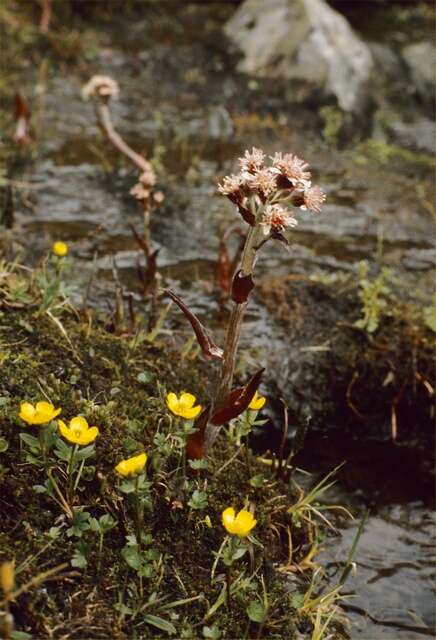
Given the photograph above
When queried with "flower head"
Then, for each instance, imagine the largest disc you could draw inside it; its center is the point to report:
(101, 86)
(239, 525)
(291, 167)
(60, 249)
(276, 218)
(263, 181)
(132, 466)
(78, 431)
(252, 161)
(257, 402)
(42, 413)
(183, 406)
(231, 187)
(314, 198)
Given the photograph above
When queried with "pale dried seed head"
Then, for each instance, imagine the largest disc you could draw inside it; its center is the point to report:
(100, 86)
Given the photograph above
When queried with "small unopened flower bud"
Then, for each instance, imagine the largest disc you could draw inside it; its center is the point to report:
(7, 576)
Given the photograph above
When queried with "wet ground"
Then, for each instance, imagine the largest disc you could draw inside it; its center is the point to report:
(182, 104)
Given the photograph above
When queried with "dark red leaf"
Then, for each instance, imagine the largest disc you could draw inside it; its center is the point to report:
(195, 445)
(208, 346)
(237, 401)
(247, 215)
(21, 108)
(241, 287)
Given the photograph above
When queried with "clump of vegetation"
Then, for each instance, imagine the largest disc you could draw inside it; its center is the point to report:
(373, 296)
(161, 544)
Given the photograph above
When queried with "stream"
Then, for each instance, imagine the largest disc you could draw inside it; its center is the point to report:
(182, 104)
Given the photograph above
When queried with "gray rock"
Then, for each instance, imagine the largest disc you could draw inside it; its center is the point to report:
(386, 60)
(419, 135)
(421, 60)
(303, 40)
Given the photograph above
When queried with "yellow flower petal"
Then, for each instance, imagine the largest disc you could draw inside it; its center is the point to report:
(64, 430)
(172, 402)
(79, 423)
(189, 414)
(241, 525)
(183, 406)
(228, 518)
(88, 436)
(78, 431)
(187, 400)
(27, 412)
(244, 523)
(132, 466)
(257, 402)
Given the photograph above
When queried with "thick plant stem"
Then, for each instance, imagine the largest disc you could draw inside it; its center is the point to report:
(234, 331)
(235, 321)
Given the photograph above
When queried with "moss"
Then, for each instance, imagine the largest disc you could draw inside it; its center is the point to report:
(121, 390)
(392, 156)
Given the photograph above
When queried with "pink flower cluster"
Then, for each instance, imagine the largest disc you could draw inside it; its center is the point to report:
(262, 192)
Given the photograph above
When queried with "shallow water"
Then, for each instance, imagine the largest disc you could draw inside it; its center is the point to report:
(77, 190)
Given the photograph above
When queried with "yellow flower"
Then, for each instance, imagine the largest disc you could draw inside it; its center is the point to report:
(7, 576)
(78, 431)
(60, 249)
(40, 414)
(183, 406)
(257, 402)
(241, 525)
(132, 466)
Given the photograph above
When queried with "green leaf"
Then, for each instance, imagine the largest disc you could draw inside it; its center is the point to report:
(54, 532)
(62, 451)
(132, 557)
(159, 623)
(147, 571)
(198, 464)
(85, 453)
(94, 525)
(212, 633)
(39, 488)
(31, 441)
(256, 611)
(79, 560)
(198, 500)
(106, 523)
(4, 445)
(144, 377)
(297, 600)
(20, 635)
(79, 524)
(257, 481)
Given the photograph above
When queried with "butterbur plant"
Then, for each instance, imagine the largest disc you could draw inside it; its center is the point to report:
(268, 193)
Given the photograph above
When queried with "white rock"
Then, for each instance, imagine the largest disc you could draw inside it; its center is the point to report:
(304, 40)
